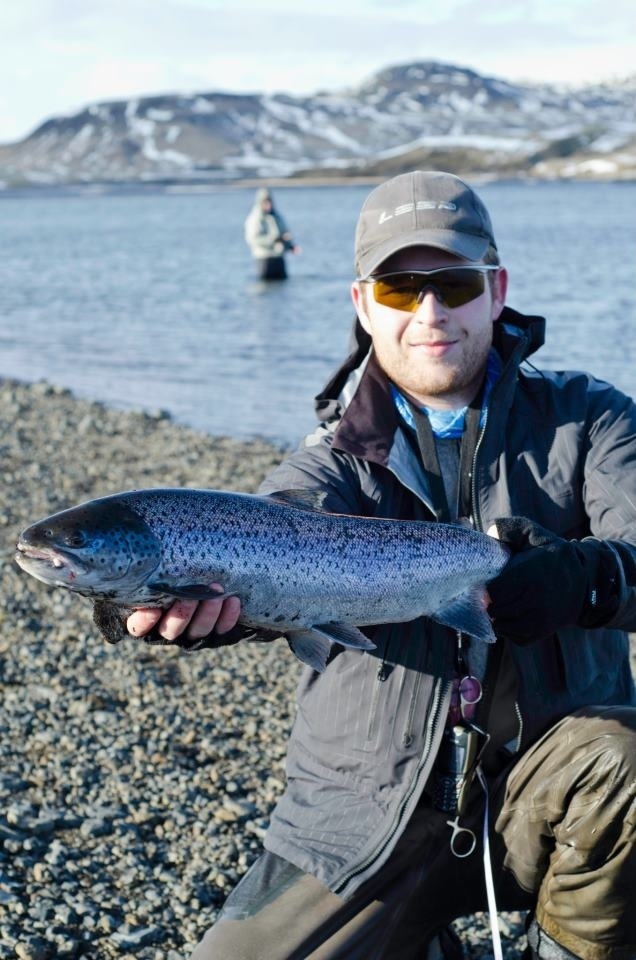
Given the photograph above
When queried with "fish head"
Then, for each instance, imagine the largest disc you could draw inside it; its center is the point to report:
(99, 549)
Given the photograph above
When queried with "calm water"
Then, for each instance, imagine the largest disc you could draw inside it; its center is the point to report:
(150, 300)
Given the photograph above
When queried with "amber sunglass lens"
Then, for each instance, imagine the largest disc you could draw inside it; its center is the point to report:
(400, 291)
(453, 288)
(457, 287)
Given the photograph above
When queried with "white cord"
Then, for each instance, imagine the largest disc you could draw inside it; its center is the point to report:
(490, 886)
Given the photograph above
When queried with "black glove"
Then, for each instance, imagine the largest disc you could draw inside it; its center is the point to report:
(550, 583)
(211, 640)
(228, 639)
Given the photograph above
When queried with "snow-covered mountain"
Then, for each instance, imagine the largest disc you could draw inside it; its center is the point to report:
(416, 114)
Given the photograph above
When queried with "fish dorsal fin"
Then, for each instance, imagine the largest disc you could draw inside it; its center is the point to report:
(301, 499)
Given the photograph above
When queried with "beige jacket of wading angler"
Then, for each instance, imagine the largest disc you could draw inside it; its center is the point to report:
(263, 233)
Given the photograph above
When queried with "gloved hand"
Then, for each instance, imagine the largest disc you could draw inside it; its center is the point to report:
(550, 583)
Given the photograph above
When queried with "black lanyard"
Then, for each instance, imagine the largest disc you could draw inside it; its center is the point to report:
(430, 460)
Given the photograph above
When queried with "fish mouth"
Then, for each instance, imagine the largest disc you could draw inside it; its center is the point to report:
(48, 565)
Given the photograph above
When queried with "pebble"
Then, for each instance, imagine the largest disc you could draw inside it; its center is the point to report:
(133, 790)
(131, 939)
(34, 948)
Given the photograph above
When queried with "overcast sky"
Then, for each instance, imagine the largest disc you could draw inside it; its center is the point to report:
(56, 56)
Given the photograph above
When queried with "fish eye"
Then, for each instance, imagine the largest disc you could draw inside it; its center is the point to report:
(75, 539)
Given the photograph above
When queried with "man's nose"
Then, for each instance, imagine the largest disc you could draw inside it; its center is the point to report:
(430, 308)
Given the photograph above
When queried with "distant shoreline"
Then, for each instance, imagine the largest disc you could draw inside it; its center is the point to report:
(208, 186)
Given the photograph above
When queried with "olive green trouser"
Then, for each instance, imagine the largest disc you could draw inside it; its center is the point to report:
(562, 844)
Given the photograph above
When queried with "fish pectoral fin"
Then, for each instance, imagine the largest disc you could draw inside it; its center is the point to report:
(314, 644)
(346, 635)
(187, 591)
(467, 613)
(111, 620)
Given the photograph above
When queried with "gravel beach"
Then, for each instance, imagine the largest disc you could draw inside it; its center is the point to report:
(135, 781)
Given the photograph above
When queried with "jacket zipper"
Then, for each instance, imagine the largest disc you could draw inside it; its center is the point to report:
(494, 655)
(407, 736)
(381, 676)
(519, 737)
(473, 477)
(440, 696)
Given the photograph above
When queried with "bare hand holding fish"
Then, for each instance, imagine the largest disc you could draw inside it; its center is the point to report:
(187, 622)
(314, 577)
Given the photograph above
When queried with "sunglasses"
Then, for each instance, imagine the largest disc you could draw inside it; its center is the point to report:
(452, 286)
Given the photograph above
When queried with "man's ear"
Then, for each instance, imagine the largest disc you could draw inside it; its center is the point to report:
(359, 303)
(499, 290)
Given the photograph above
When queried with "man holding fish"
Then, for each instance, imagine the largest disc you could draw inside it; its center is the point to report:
(434, 417)
(408, 758)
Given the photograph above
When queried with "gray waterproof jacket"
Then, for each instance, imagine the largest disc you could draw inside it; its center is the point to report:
(559, 448)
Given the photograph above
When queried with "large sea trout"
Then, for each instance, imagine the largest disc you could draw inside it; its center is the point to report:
(312, 576)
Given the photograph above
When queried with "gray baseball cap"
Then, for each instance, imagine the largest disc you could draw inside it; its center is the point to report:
(422, 208)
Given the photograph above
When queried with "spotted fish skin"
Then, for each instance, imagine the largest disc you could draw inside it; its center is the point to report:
(313, 576)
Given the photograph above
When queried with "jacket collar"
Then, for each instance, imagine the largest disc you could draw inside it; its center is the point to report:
(357, 401)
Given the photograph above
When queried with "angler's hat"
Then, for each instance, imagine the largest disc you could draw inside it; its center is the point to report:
(423, 208)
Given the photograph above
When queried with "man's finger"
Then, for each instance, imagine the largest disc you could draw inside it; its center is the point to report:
(228, 617)
(205, 618)
(175, 620)
(141, 622)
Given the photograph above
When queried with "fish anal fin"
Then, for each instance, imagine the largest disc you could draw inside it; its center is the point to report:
(468, 614)
(346, 635)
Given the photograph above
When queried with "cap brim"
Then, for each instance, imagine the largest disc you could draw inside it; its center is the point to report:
(464, 245)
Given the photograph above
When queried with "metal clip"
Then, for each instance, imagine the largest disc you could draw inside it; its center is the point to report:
(457, 842)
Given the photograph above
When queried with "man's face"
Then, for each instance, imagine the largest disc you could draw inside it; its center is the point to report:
(437, 355)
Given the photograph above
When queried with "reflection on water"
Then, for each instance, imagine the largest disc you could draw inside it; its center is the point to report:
(152, 300)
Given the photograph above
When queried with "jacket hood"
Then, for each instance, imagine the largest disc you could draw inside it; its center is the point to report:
(510, 328)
